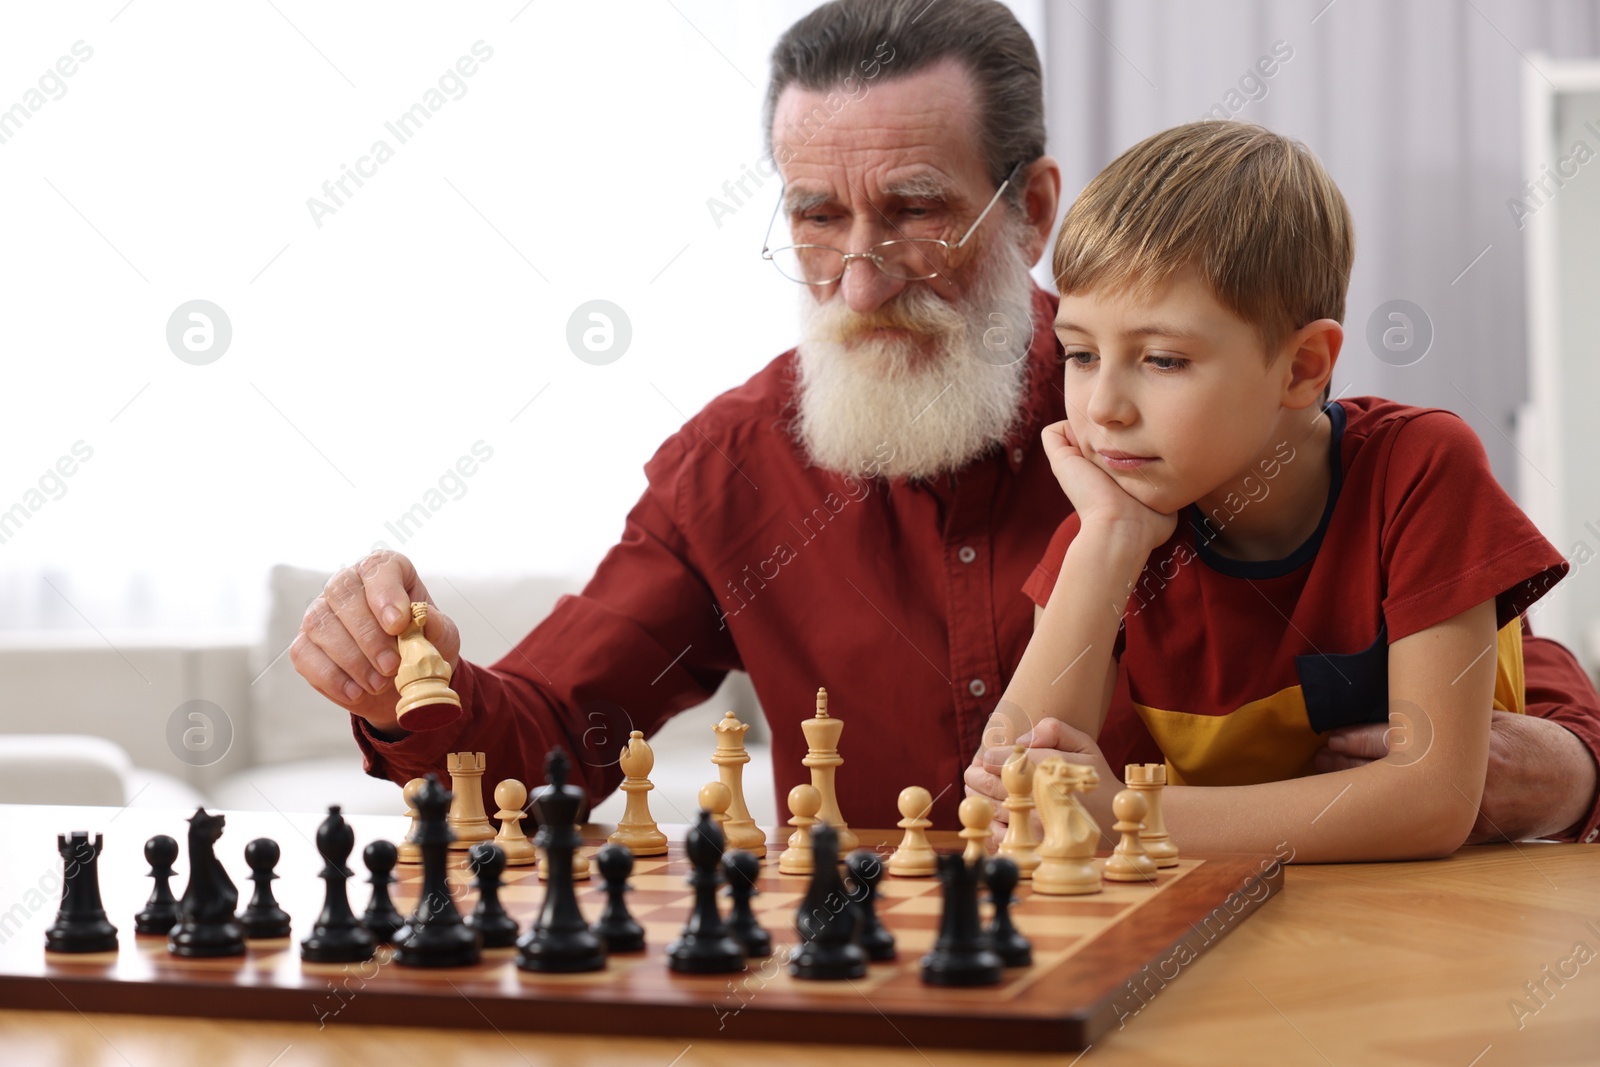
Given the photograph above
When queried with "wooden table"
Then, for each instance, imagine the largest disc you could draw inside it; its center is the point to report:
(1405, 963)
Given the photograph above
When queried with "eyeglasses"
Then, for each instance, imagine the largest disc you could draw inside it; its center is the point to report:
(907, 259)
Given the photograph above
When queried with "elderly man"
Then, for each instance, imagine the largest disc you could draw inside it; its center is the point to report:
(861, 513)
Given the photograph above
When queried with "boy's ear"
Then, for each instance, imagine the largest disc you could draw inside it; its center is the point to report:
(1313, 351)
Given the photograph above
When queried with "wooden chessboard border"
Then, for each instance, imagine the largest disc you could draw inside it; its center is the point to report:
(1051, 1008)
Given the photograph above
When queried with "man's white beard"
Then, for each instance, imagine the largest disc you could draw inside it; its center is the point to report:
(920, 405)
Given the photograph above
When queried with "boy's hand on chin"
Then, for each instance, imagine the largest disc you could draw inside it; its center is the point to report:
(1096, 496)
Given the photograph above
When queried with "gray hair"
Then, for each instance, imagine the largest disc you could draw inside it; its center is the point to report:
(851, 42)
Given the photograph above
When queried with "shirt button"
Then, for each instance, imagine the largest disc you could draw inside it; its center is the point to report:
(1016, 456)
(1589, 840)
(967, 554)
(976, 687)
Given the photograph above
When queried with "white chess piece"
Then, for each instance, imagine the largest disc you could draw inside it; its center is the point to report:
(1150, 779)
(797, 858)
(1128, 861)
(730, 757)
(915, 858)
(1019, 844)
(637, 828)
(822, 738)
(1066, 856)
(511, 795)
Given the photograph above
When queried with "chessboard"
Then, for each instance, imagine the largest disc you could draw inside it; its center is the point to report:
(1098, 959)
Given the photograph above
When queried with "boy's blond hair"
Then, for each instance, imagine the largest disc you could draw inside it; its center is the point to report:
(1254, 211)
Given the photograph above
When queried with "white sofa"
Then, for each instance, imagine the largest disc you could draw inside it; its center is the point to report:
(174, 720)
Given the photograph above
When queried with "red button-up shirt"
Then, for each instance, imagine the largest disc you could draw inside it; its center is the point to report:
(903, 598)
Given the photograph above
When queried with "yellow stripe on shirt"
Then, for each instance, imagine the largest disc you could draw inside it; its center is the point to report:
(1270, 739)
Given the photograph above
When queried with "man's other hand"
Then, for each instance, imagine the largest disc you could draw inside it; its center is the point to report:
(1541, 779)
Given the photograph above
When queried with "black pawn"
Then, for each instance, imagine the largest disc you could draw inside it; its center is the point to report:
(961, 956)
(337, 936)
(206, 926)
(619, 930)
(382, 919)
(825, 920)
(866, 871)
(263, 918)
(81, 924)
(434, 935)
(1013, 949)
(160, 912)
(742, 869)
(559, 940)
(489, 918)
(705, 946)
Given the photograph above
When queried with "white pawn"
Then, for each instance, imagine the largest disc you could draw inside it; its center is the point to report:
(511, 795)
(805, 801)
(410, 851)
(716, 798)
(580, 865)
(976, 815)
(914, 858)
(1129, 862)
(1019, 845)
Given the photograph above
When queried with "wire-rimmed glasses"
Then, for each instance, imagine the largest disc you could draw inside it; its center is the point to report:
(907, 259)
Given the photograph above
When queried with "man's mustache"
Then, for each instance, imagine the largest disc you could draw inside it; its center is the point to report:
(840, 324)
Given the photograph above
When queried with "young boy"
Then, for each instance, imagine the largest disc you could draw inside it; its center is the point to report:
(1264, 565)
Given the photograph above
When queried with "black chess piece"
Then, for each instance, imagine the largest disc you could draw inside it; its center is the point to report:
(382, 919)
(337, 936)
(705, 946)
(206, 926)
(160, 912)
(961, 955)
(619, 930)
(262, 918)
(1007, 941)
(559, 940)
(742, 869)
(435, 935)
(825, 920)
(81, 924)
(488, 860)
(866, 871)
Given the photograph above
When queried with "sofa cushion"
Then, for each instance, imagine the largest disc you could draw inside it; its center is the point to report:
(63, 769)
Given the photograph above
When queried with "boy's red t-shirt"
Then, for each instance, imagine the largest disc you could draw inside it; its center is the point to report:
(1238, 668)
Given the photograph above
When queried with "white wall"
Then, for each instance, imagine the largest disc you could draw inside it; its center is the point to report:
(368, 354)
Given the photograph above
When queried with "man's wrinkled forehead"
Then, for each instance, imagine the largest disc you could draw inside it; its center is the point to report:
(912, 136)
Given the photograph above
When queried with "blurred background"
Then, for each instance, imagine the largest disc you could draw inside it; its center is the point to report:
(228, 376)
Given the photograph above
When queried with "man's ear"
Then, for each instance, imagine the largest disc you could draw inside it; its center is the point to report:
(1041, 182)
(1313, 351)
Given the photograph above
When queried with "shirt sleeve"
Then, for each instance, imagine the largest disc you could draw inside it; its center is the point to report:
(1558, 689)
(1451, 536)
(609, 660)
(1043, 579)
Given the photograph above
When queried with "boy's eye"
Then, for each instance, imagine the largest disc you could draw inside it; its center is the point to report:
(1078, 359)
(1167, 363)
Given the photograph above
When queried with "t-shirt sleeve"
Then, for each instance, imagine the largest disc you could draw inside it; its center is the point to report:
(1043, 579)
(1451, 535)
(1558, 690)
